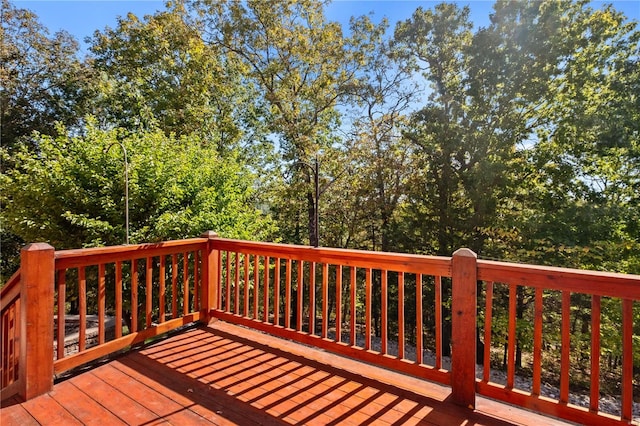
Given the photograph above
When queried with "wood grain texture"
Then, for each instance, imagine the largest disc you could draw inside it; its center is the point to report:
(431, 265)
(66, 259)
(227, 375)
(36, 319)
(463, 326)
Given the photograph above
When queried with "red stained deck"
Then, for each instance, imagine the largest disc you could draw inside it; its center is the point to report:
(224, 374)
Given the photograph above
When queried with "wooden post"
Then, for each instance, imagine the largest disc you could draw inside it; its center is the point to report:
(210, 275)
(37, 275)
(463, 326)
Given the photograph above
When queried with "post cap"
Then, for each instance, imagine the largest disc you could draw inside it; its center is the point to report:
(209, 234)
(465, 252)
(37, 247)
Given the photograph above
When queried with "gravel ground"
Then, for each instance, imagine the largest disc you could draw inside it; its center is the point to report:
(608, 404)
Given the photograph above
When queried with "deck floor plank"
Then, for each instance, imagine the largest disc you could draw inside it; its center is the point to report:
(16, 414)
(159, 404)
(46, 410)
(113, 399)
(226, 375)
(182, 406)
(208, 402)
(84, 408)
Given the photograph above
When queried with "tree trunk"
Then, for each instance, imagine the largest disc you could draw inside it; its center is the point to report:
(311, 209)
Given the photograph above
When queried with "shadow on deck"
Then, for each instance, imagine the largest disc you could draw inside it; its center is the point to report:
(225, 374)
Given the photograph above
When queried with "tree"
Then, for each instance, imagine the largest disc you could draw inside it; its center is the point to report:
(436, 43)
(159, 72)
(588, 156)
(304, 67)
(494, 122)
(72, 194)
(382, 156)
(42, 81)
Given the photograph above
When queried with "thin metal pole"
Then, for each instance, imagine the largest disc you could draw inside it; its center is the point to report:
(126, 184)
(317, 202)
(126, 191)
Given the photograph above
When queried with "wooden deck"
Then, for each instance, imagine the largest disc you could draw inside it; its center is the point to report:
(224, 374)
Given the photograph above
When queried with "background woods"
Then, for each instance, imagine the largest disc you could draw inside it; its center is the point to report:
(520, 139)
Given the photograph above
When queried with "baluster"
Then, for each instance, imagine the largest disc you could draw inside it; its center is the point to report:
(247, 260)
(511, 351)
(149, 291)
(438, 311)
(300, 295)
(419, 331)
(265, 296)
(384, 308)
(627, 359)
(312, 298)
(367, 314)
(537, 342)
(338, 303)
(101, 303)
(594, 398)
(134, 296)
(185, 283)
(82, 308)
(196, 281)
(162, 295)
(352, 316)
(118, 291)
(325, 300)
(236, 293)
(174, 286)
(566, 343)
(227, 283)
(256, 285)
(62, 298)
(400, 315)
(287, 290)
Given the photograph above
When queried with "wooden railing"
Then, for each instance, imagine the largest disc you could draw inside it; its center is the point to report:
(10, 319)
(420, 315)
(133, 293)
(579, 297)
(148, 289)
(27, 312)
(313, 296)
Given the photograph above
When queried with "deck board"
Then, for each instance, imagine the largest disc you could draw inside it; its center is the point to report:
(16, 415)
(111, 397)
(227, 375)
(84, 408)
(47, 410)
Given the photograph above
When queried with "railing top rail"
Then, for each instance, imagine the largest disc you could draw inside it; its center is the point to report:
(12, 282)
(400, 262)
(92, 256)
(598, 283)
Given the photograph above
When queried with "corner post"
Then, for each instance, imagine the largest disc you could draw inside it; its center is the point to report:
(210, 274)
(463, 327)
(37, 274)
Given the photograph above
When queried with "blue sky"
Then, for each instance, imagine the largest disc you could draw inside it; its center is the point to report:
(82, 17)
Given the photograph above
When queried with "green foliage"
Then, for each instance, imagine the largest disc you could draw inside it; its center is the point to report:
(525, 146)
(302, 63)
(578, 203)
(304, 67)
(72, 193)
(159, 72)
(42, 82)
(41, 79)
